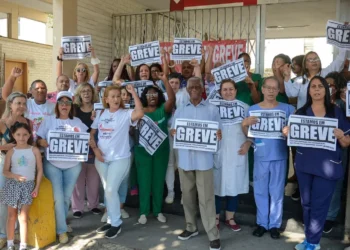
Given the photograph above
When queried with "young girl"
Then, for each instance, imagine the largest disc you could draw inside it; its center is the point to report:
(22, 163)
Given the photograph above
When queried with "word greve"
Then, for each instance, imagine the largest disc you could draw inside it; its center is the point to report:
(338, 34)
(196, 135)
(270, 124)
(76, 47)
(231, 112)
(145, 53)
(139, 85)
(151, 136)
(233, 70)
(313, 132)
(186, 49)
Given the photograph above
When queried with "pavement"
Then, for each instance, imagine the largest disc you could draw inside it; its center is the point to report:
(163, 236)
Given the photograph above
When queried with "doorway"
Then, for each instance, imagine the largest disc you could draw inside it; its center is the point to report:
(21, 82)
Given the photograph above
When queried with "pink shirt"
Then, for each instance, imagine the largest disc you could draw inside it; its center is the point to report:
(51, 97)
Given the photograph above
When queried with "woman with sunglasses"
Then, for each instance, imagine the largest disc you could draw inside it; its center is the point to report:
(16, 106)
(311, 67)
(319, 170)
(151, 169)
(81, 71)
(62, 174)
(89, 180)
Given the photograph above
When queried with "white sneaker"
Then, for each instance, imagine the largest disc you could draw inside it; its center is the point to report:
(161, 218)
(143, 219)
(69, 229)
(124, 214)
(104, 217)
(170, 198)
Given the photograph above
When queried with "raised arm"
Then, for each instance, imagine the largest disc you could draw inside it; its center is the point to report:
(118, 72)
(170, 103)
(10, 82)
(164, 62)
(196, 68)
(59, 65)
(209, 63)
(95, 62)
(138, 113)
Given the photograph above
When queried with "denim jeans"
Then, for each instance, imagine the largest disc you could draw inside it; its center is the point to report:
(112, 175)
(3, 208)
(63, 183)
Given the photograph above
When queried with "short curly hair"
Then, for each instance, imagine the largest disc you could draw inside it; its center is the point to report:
(161, 98)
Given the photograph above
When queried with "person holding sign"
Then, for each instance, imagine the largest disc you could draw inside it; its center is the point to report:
(62, 174)
(23, 170)
(270, 157)
(311, 67)
(151, 169)
(231, 176)
(112, 152)
(318, 170)
(88, 180)
(81, 71)
(14, 110)
(196, 168)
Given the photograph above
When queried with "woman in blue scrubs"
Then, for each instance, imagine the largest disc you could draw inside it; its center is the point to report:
(318, 170)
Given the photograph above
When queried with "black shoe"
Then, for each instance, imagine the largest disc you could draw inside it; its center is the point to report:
(328, 226)
(77, 214)
(259, 231)
(113, 232)
(96, 211)
(103, 229)
(274, 233)
(296, 195)
(185, 235)
(215, 245)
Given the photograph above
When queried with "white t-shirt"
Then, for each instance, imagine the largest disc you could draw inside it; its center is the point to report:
(38, 112)
(73, 85)
(113, 133)
(70, 125)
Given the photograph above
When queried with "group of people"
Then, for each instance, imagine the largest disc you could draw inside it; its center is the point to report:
(119, 161)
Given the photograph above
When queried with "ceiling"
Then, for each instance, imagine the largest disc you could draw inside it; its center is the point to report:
(40, 5)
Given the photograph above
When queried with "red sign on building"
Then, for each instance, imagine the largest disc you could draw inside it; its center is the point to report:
(179, 5)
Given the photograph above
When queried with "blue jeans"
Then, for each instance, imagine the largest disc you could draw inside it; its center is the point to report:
(231, 203)
(63, 182)
(123, 189)
(112, 175)
(3, 208)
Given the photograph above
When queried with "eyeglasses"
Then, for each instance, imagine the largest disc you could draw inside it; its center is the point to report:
(270, 88)
(64, 103)
(313, 60)
(83, 70)
(152, 95)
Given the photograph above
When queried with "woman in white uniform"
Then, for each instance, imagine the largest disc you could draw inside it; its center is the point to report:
(231, 173)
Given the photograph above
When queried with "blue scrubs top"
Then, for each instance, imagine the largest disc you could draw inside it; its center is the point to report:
(321, 162)
(272, 149)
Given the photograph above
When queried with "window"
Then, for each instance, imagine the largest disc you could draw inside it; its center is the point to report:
(3, 24)
(31, 30)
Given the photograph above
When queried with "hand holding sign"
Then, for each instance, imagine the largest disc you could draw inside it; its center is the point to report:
(43, 143)
(285, 131)
(338, 133)
(249, 81)
(250, 121)
(172, 132)
(92, 50)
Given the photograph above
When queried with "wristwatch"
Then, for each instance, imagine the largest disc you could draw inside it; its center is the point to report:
(59, 59)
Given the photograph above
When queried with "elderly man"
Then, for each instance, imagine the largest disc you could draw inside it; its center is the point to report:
(62, 84)
(196, 168)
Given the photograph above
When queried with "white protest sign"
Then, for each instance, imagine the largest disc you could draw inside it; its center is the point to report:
(312, 132)
(186, 49)
(68, 146)
(270, 125)
(214, 95)
(145, 53)
(139, 85)
(233, 70)
(98, 106)
(151, 136)
(348, 99)
(196, 135)
(231, 112)
(75, 47)
(338, 34)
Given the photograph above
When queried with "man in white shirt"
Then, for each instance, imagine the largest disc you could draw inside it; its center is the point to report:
(37, 108)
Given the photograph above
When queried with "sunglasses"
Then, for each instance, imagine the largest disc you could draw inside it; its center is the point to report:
(83, 70)
(152, 95)
(65, 103)
(312, 60)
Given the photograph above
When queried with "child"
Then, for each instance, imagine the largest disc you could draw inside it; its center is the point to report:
(21, 164)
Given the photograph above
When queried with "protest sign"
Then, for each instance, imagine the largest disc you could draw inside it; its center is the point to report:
(348, 99)
(231, 112)
(151, 136)
(75, 47)
(145, 53)
(338, 34)
(186, 49)
(214, 95)
(233, 70)
(98, 106)
(224, 50)
(139, 85)
(68, 146)
(196, 135)
(270, 125)
(312, 132)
